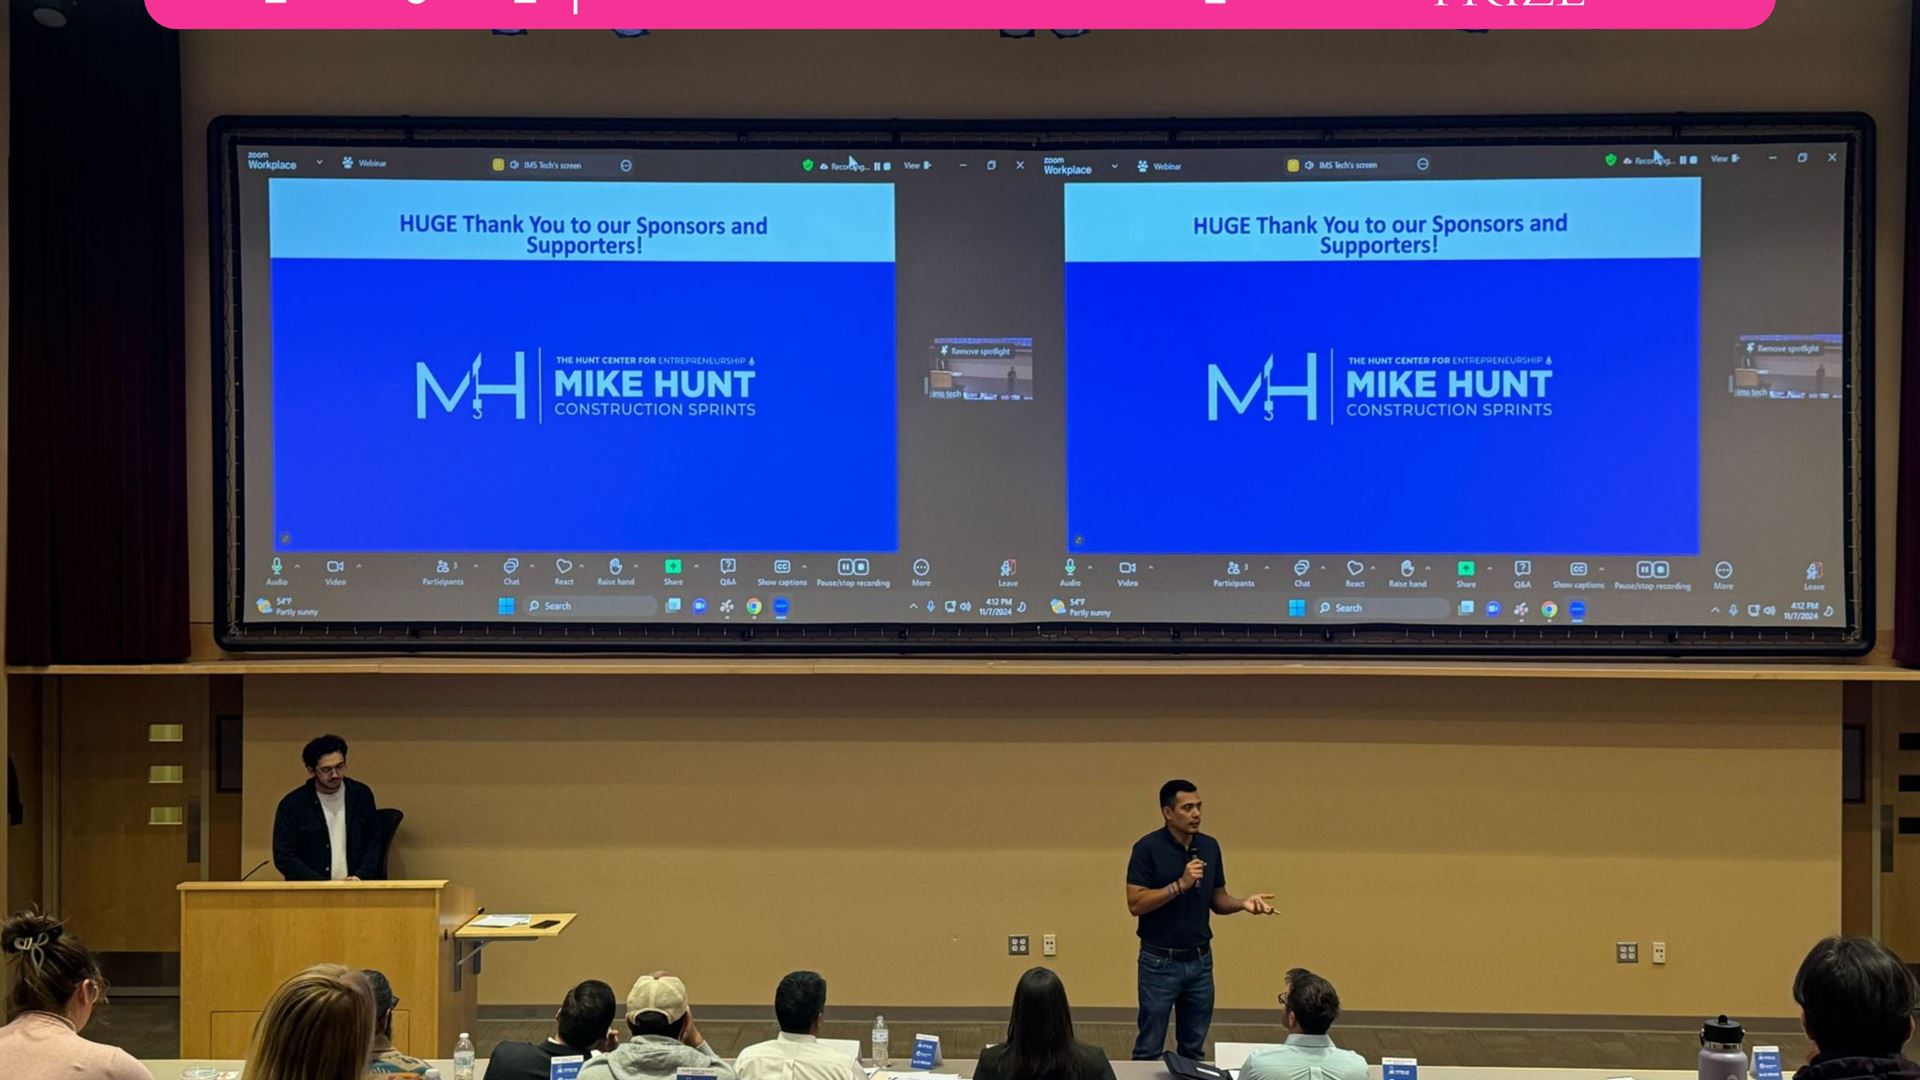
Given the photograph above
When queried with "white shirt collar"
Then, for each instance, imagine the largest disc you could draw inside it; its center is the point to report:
(788, 1036)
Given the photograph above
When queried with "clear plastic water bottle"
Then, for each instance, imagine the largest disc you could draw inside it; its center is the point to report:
(463, 1058)
(880, 1042)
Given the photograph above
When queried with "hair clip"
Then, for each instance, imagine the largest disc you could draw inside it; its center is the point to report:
(34, 947)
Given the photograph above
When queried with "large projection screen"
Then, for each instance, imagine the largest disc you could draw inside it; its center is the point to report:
(1490, 384)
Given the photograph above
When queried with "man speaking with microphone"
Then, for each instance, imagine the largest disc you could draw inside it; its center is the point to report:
(1175, 880)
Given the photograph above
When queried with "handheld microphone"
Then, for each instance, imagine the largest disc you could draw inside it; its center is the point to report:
(256, 869)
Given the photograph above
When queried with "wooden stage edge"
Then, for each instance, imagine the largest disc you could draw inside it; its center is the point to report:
(1871, 669)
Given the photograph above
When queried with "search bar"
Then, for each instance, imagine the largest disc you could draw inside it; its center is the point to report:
(1383, 608)
(592, 607)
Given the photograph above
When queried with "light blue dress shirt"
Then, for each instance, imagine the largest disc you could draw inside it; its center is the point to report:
(1305, 1057)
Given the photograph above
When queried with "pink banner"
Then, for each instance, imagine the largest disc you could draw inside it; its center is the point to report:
(961, 14)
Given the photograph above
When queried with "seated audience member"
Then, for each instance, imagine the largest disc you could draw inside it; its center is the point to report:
(1856, 1002)
(665, 1039)
(1311, 1007)
(796, 1054)
(582, 1026)
(1040, 1043)
(317, 1026)
(386, 1061)
(57, 986)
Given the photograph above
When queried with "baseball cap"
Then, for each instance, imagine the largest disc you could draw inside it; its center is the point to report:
(662, 994)
(384, 998)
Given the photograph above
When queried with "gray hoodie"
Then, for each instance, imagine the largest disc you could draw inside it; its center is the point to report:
(654, 1057)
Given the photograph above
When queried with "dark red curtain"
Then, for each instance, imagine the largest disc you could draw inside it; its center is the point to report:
(96, 486)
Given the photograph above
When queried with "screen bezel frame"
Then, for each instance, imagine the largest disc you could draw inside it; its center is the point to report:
(233, 633)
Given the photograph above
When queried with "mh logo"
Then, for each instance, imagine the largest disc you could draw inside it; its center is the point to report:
(1263, 387)
(423, 381)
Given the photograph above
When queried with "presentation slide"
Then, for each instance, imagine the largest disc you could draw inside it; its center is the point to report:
(993, 389)
(520, 366)
(1384, 367)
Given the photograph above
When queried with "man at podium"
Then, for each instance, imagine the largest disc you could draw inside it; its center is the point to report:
(328, 828)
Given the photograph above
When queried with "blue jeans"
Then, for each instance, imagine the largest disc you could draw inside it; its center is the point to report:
(1165, 985)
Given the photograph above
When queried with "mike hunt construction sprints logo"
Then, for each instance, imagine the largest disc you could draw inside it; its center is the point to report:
(423, 381)
(1264, 390)
(596, 386)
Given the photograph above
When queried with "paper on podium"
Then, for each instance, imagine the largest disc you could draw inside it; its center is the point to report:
(851, 1047)
(501, 922)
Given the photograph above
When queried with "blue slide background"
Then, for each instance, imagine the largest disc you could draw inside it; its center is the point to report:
(354, 470)
(1615, 470)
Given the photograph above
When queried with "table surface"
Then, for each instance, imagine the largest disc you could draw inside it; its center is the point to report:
(1123, 1070)
(524, 932)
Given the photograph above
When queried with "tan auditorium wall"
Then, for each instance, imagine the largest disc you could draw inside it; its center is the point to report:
(1448, 845)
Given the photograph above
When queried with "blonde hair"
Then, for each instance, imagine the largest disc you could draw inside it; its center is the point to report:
(317, 1026)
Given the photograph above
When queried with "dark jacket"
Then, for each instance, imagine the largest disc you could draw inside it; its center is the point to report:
(1834, 1067)
(1090, 1063)
(526, 1061)
(302, 851)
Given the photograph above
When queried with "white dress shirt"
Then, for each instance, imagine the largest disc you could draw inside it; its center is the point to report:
(796, 1057)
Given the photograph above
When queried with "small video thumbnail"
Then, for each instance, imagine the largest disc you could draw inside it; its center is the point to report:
(980, 369)
(1787, 367)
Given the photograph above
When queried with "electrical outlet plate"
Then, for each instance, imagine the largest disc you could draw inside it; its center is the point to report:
(1659, 952)
(1626, 952)
(1016, 944)
(1048, 946)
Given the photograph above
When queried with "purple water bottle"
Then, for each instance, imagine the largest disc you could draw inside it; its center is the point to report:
(1721, 1056)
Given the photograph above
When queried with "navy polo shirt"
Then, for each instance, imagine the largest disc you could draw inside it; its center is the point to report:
(1158, 861)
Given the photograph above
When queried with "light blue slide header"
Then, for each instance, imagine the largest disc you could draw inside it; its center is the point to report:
(1411, 220)
(536, 221)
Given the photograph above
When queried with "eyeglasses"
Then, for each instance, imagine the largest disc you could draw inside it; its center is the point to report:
(332, 770)
(1283, 1001)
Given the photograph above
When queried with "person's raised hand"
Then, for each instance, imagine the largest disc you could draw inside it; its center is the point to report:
(1258, 904)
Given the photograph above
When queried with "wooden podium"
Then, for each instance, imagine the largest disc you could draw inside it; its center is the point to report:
(241, 940)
